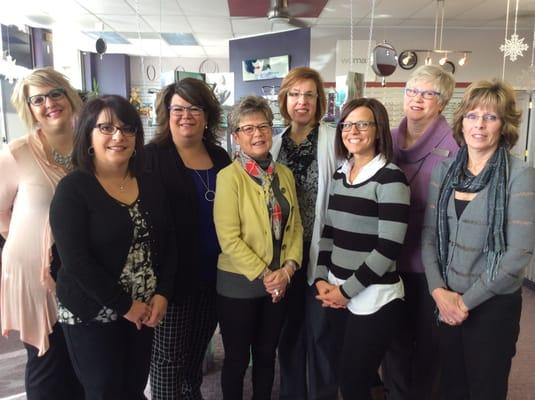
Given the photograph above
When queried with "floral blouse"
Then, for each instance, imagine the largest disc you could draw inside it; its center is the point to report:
(138, 277)
(302, 161)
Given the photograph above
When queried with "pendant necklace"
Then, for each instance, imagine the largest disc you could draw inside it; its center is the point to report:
(209, 194)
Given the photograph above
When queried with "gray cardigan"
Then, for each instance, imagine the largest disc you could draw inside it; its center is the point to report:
(466, 259)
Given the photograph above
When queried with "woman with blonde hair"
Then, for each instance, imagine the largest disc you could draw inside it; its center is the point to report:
(31, 169)
(478, 239)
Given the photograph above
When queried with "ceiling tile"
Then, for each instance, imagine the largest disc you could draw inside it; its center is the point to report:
(205, 7)
(125, 23)
(211, 24)
(169, 23)
(107, 7)
(156, 7)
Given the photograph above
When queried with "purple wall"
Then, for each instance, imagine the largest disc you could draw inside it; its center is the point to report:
(112, 73)
(43, 55)
(294, 43)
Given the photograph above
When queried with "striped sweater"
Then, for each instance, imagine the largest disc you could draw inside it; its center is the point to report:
(364, 229)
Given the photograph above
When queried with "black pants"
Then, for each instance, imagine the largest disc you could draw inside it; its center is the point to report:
(476, 355)
(306, 351)
(111, 359)
(410, 367)
(249, 327)
(51, 376)
(364, 341)
(180, 344)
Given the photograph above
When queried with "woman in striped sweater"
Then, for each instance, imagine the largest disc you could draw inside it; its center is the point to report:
(364, 230)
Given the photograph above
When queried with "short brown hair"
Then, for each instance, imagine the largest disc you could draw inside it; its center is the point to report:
(42, 77)
(383, 144)
(125, 112)
(494, 94)
(294, 76)
(249, 105)
(195, 92)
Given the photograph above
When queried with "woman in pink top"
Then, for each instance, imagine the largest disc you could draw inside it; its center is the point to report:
(31, 168)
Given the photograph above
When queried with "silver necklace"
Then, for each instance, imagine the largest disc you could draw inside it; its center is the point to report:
(64, 161)
(209, 194)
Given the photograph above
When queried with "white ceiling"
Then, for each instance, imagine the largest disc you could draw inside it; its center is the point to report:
(209, 22)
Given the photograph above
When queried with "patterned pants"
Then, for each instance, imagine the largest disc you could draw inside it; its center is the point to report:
(179, 346)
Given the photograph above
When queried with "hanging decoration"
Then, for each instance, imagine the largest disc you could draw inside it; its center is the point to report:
(8, 65)
(514, 47)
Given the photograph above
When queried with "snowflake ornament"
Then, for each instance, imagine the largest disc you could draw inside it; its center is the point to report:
(514, 47)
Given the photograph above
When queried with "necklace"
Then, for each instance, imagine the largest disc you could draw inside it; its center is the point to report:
(64, 161)
(209, 194)
(122, 185)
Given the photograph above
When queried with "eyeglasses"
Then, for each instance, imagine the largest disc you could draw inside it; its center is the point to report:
(38, 100)
(306, 95)
(109, 129)
(362, 126)
(179, 111)
(250, 129)
(473, 117)
(426, 94)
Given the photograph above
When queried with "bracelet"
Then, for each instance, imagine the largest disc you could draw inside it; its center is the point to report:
(287, 275)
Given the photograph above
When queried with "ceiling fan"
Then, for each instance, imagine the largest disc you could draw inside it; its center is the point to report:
(280, 13)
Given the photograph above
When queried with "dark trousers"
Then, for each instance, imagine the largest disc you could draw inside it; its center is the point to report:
(476, 355)
(249, 327)
(180, 344)
(306, 350)
(364, 340)
(111, 359)
(51, 376)
(410, 367)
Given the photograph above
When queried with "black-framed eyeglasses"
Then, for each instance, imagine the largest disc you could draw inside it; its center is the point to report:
(179, 111)
(250, 129)
(40, 99)
(426, 94)
(110, 129)
(362, 126)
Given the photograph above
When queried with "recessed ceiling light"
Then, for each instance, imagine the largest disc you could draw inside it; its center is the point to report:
(378, 16)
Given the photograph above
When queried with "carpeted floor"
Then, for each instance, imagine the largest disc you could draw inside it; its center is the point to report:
(521, 381)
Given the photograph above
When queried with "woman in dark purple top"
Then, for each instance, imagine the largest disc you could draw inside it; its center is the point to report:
(422, 140)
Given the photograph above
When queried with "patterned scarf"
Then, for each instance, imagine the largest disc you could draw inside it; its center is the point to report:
(264, 177)
(494, 175)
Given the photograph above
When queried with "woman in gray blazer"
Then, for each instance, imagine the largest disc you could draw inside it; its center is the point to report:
(478, 238)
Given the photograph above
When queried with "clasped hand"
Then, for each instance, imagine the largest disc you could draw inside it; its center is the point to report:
(330, 295)
(276, 283)
(147, 314)
(451, 307)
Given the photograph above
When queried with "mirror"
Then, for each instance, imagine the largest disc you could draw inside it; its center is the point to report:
(384, 59)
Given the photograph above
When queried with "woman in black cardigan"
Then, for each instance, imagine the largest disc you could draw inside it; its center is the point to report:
(116, 244)
(186, 157)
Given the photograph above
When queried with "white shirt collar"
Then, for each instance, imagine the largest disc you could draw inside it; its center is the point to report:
(367, 171)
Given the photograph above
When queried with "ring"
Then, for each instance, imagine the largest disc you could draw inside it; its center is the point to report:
(277, 292)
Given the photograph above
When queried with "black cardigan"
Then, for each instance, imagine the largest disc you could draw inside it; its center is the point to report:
(93, 234)
(164, 161)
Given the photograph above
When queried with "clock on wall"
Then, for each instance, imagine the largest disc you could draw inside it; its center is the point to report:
(407, 59)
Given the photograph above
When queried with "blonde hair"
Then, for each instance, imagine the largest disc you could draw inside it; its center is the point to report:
(41, 77)
(442, 81)
(496, 95)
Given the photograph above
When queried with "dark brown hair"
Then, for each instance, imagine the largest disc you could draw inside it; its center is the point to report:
(120, 108)
(294, 76)
(383, 143)
(198, 94)
(496, 95)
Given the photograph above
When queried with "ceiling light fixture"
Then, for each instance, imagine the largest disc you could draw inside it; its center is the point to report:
(438, 40)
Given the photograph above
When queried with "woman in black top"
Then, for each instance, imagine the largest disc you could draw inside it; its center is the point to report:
(110, 224)
(185, 156)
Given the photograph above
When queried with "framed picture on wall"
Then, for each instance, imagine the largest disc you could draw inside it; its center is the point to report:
(265, 68)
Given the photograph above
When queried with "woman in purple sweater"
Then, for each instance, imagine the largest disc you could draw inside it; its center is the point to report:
(422, 140)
